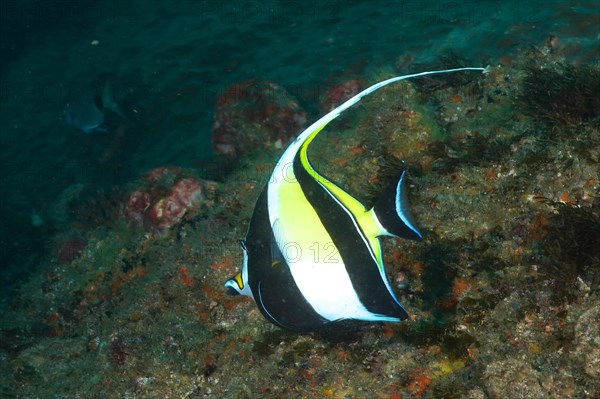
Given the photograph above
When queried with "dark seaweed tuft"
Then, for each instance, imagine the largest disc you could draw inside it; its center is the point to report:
(118, 351)
(441, 260)
(473, 148)
(570, 246)
(425, 331)
(389, 169)
(447, 60)
(561, 95)
(268, 344)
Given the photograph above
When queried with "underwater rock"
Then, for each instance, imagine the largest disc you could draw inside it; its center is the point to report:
(476, 394)
(592, 363)
(587, 332)
(339, 93)
(253, 115)
(168, 195)
(513, 378)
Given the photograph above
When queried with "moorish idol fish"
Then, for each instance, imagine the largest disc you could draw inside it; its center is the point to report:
(312, 255)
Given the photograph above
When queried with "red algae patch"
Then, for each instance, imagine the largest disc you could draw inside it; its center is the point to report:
(166, 197)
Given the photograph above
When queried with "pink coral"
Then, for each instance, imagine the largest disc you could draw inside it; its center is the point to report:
(254, 115)
(185, 195)
(337, 94)
(137, 204)
(166, 196)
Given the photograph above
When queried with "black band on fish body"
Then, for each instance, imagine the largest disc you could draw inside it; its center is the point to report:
(352, 246)
(273, 287)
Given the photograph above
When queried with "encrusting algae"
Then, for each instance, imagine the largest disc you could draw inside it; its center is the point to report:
(502, 293)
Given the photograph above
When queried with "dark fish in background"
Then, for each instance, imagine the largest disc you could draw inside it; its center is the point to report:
(87, 111)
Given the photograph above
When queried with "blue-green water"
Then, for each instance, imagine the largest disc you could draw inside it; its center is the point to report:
(169, 60)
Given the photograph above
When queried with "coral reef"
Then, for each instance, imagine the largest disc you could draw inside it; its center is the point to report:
(502, 291)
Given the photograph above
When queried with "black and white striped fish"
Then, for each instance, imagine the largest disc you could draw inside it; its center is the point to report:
(312, 254)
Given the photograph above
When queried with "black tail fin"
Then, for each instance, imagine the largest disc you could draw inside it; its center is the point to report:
(392, 211)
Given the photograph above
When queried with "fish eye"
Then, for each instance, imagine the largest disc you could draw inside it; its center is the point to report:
(243, 245)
